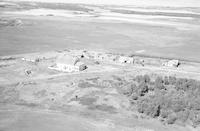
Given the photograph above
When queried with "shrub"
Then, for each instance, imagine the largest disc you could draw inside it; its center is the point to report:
(166, 80)
(194, 103)
(183, 115)
(154, 110)
(146, 78)
(159, 83)
(195, 117)
(171, 118)
(172, 80)
(134, 96)
(139, 79)
(159, 80)
(181, 84)
(134, 87)
(193, 85)
(84, 84)
(142, 89)
(93, 80)
(142, 105)
(128, 89)
(151, 86)
(164, 113)
(149, 107)
(117, 78)
(178, 105)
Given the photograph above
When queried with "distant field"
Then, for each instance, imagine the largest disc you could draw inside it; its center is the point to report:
(176, 3)
(164, 32)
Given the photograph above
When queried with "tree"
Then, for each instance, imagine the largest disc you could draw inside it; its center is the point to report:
(159, 83)
(142, 89)
(172, 80)
(166, 80)
(146, 78)
(171, 118)
(139, 78)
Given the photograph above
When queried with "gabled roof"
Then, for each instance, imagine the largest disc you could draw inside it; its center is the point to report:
(67, 60)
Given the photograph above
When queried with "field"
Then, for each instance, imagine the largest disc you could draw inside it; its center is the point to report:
(171, 31)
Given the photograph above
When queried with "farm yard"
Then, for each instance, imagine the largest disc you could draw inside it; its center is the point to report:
(84, 67)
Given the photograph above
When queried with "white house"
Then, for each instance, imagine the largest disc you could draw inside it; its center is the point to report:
(67, 63)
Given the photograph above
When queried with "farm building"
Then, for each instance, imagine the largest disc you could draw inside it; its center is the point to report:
(172, 63)
(127, 60)
(68, 63)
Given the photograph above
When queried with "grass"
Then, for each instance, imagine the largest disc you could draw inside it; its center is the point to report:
(104, 107)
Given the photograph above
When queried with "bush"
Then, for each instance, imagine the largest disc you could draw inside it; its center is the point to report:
(142, 105)
(117, 78)
(155, 110)
(159, 83)
(146, 78)
(172, 80)
(193, 85)
(171, 118)
(178, 105)
(195, 103)
(84, 84)
(166, 80)
(134, 96)
(183, 115)
(142, 89)
(164, 113)
(151, 86)
(181, 84)
(128, 89)
(195, 117)
(149, 107)
(139, 79)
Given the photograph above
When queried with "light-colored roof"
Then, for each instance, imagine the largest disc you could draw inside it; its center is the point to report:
(79, 63)
(67, 60)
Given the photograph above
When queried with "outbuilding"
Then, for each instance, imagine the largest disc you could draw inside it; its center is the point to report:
(172, 63)
(127, 60)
